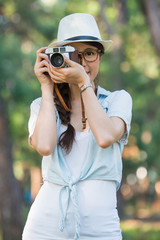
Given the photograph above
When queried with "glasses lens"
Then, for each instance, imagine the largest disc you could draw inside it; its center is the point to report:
(90, 55)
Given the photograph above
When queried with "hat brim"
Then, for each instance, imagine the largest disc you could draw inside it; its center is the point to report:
(106, 43)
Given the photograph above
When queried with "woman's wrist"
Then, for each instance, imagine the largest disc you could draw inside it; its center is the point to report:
(85, 81)
(48, 88)
(85, 86)
(47, 92)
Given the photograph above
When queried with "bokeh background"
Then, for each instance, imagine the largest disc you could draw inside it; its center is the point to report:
(133, 64)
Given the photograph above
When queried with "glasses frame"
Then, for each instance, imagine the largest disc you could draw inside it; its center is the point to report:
(81, 54)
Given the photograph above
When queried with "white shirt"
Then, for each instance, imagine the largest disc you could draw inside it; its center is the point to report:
(97, 204)
(96, 192)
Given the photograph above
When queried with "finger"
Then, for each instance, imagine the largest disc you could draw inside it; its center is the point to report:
(42, 49)
(56, 79)
(43, 70)
(41, 55)
(39, 71)
(43, 63)
(56, 71)
(44, 56)
(39, 67)
(56, 75)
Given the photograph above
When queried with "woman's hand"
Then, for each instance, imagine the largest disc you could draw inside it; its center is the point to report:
(41, 67)
(75, 74)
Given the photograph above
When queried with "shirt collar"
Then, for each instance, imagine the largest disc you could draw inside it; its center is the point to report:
(102, 92)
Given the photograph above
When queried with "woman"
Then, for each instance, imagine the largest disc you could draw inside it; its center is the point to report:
(80, 132)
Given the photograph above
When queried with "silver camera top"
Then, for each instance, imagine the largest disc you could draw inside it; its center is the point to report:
(62, 49)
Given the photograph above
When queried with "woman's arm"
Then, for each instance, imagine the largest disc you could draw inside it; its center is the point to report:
(106, 130)
(44, 137)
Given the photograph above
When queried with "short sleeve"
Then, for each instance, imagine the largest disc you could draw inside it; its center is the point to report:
(34, 111)
(120, 105)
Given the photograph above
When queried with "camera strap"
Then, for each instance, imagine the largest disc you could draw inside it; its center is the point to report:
(60, 98)
(84, 119)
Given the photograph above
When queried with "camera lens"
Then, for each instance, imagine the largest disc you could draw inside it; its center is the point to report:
(57, 60)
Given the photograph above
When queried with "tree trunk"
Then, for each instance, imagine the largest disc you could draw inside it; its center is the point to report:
(117, 55)
(150, 10)
(122, 13)
(10, 198)
(102, 18)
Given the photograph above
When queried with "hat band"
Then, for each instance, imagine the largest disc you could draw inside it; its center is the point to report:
(83, 38)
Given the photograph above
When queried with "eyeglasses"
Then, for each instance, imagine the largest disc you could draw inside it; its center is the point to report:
(89, 54)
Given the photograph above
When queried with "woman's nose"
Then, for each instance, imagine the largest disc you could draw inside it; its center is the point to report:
(83, 61)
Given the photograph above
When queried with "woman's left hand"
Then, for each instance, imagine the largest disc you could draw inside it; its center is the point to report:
(75, 74)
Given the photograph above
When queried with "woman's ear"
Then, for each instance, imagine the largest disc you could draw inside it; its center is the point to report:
(100, 57)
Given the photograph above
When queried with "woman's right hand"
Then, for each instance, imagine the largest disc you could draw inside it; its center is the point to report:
(44, 137)
(41, 67)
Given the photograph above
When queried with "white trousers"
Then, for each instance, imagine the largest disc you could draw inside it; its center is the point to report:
(99, 218)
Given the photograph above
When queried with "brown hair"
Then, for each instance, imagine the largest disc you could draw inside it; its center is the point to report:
(97, 45)
(67, 137)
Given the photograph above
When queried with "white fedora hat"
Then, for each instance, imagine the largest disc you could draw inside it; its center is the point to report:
(79, 27)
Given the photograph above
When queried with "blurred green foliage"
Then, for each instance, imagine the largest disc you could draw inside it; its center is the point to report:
(136, 230)
(132, 64)
(138, 234)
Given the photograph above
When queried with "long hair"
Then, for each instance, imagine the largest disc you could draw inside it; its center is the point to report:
(67, 137)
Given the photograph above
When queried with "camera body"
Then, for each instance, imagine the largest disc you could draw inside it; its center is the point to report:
(56, 55)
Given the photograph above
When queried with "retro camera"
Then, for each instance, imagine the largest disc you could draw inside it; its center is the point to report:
(56, 55)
